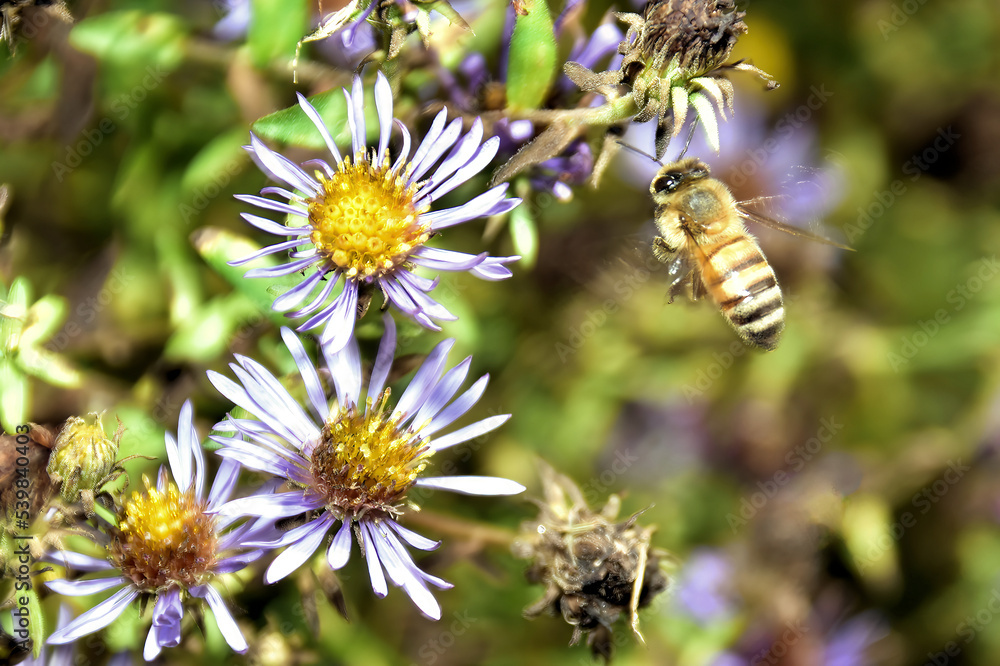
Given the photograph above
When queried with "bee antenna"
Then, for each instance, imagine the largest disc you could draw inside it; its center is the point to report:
(638, 152)
(687, 144)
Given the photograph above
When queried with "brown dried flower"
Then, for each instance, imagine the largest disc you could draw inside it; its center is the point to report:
(594, 569)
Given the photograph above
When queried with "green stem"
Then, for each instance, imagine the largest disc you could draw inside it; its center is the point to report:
(615, 111)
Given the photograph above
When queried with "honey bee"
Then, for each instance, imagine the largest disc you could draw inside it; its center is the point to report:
(708, 250)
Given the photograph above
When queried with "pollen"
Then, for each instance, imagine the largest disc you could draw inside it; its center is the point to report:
(164, 539)
(364, 221)
(366, 462)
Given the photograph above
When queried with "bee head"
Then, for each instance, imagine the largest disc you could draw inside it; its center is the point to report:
(674, 176)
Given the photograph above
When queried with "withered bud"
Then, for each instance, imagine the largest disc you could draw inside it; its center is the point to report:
(83, 457)
(699, 34)
(594, 569)
(22, 468)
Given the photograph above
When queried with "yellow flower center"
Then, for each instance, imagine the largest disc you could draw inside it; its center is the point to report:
(164, 539)
(365, 221)
(365, 462)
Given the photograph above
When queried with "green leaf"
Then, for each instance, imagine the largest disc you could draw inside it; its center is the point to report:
(524, 234)
(44, 319)
(207, 334)
(292, 126)
(49, 367)
(276, 26)
(15, 398)
(133, 38)
(216, 163)
(444, 8)
(109, 516)
(218, 246)
(36, 627)
(532, 64)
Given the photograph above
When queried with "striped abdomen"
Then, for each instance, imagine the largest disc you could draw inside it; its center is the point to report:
(742, 283)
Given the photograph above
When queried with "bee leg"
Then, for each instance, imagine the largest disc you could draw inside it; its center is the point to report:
(662, 250)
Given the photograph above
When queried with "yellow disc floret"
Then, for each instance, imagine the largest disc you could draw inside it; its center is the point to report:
(164, 538)
(366, 462)
(364, 221)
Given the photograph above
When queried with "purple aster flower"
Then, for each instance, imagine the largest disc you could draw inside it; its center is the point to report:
(168, 546)
(368, 219)
(352, 461)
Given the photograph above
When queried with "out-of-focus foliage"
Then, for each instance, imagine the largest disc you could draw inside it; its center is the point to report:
(843, 488)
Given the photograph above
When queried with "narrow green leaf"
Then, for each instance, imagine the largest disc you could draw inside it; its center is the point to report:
(49, 367)
(44, 319)
(524, 235)
(276, 26)
(532, 64)
(15, 398)
(36, 627)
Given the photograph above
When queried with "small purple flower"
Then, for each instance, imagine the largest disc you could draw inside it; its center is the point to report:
(472, 82)
(704, 589)
(367, 220)
(236, 22)
(167, 546)
(352, 461)
(848, 645)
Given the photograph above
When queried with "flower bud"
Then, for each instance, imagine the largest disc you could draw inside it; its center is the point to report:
(83, 457)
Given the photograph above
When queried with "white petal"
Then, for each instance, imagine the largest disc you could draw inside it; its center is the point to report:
(340, 548)
(227, 625)
(472, 485)
(314, 389)
(317, 120)
(427, 376)
(383, 360)
(468, 432)
(296, 554)
(79, 588)
(383, 106)
(96, 618)
(345, 367)
(374, 566)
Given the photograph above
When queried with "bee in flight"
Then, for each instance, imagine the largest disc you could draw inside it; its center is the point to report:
(708, 250)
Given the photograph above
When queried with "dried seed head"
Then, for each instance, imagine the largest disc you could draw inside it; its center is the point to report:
(83, 457)
(700, 34)
(594, 569)
(675, 57)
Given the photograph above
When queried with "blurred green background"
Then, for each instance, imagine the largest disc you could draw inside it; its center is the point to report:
(832, 502)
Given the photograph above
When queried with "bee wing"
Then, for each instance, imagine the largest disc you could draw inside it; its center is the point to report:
(746, 211)
(684, 274)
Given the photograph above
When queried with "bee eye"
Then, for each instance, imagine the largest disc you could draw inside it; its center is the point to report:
(668, 182)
